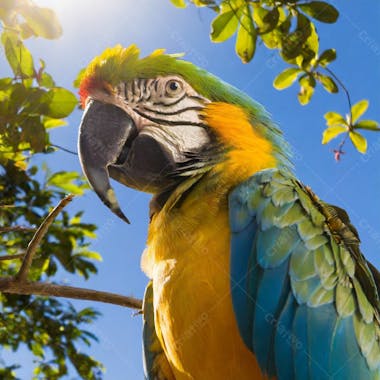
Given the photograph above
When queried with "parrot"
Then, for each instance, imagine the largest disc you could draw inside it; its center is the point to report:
(251, 275)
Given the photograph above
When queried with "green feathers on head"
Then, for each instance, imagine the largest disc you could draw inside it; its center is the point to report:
(118, 64)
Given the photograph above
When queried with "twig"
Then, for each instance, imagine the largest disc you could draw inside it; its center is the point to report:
(12, 257)
(64, 149)
(344, 89)
(14, 286)
(38, 236)
(16, 229)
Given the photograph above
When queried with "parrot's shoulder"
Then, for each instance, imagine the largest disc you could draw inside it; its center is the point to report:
(156, 364)
(299, 259)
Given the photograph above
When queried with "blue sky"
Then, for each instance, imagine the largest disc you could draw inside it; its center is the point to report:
(91, 25)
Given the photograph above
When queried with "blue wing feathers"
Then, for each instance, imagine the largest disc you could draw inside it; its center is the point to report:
(285, 340)
(321, 324)
(271, 296)
(300, 349)
(346, 361)
(242, 242)
(288, 266)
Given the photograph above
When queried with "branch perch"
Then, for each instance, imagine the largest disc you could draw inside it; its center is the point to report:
(19, 284)
(38, 236)
(14, 286)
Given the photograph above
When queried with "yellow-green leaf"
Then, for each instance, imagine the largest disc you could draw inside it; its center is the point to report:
(307, 84)
(50, 123)
(179, 3)
(18, 56)
(327, 82)
(246, 38)
(332, 132)
(224, 26)
(286, 78)
(67, 181)
(321, 11)
(43, 21)
(371, 125)
(359, 141)
(92, 255)
(358, 109)
(60, 102)
(326, 57)
(334, 118)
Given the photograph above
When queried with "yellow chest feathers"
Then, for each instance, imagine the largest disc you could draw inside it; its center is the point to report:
(194, 318)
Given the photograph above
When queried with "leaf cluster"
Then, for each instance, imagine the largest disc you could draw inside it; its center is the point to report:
(349, 125)
(51, 330)
(31, 104)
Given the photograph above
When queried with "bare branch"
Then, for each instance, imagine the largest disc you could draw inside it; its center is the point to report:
(12, 257)
(16, 229)
(14, 286)
(38, 236)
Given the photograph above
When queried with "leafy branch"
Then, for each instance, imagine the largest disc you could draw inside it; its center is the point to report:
(18, 284)
(31, 104)
(288, 27)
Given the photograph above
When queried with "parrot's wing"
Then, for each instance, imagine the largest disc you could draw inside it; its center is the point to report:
(305, 299)
(156, 365)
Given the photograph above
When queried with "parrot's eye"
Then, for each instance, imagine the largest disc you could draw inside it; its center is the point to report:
(173, 87)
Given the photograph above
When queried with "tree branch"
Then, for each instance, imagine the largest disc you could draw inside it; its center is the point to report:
(12, 257)
(16, 229)
(19, 284)
(38, 236)
(14, 286)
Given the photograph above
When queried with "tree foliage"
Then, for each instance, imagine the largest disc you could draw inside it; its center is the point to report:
(31, 104)
(288, 26)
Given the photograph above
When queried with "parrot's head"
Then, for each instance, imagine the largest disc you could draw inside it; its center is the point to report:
(153, 122)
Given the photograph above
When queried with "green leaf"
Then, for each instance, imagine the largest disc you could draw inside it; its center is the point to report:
(179, 3)
(327, 82)
(292, 43)
(334, 118)
(37, 349)
(18, 56)
(46, 80)
(311, 47)
(326, 57)
(307, 85)
(332, 132)
(246, 38)
(266, 20)
(34, 133)
(321, 11)
(42, 21)
(224, 26)
(50, 123)
(59, 103)
(91, 255)
(358, 109)
(359, 141)
(371, 125)
(205, 3)
(286, 78)
(67, 182)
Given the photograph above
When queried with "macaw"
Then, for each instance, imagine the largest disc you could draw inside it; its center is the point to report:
(252, 276)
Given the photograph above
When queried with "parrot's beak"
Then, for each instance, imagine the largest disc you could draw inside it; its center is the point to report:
(104, 134)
